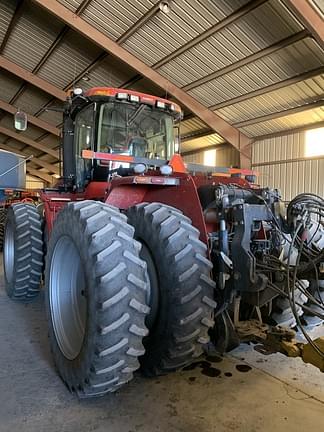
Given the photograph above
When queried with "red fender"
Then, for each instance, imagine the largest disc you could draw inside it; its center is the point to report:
(183, 197)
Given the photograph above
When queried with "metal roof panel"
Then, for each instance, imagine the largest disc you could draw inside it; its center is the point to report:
(293, 121)
(319, 6)
(31, 37)
(114, 17)
(267, 24)
(202, 142)
(278, 100)
(52, 117)
(71, 57)
(288, 62)
(71, 4)
(110, 72)
(9, 85)
(164, 33)
(191, 125)
(7, 9)
(32, 99)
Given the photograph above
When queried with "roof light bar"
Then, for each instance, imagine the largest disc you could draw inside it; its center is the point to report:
(160, 104)
(134, 98)
(122, 96)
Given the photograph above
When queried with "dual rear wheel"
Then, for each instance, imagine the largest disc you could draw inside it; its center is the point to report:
(121, 291)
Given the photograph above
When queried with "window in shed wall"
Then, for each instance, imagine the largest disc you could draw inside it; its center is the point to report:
(314, 142)
(210, 157)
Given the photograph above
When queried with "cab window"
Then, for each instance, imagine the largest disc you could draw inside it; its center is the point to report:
(84, 133)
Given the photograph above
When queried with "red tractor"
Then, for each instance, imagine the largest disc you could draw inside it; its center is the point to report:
(146, 259)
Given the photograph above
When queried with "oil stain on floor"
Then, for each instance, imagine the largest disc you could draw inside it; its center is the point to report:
(209, 370)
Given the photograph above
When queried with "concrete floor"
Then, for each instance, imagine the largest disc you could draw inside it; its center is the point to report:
(277, 394)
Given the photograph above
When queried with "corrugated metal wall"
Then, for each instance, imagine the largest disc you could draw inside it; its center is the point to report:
(281, 163)
(33, 183)
(226, 155)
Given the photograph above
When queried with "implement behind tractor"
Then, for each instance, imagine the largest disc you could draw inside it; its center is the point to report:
(148, 260)
(12, 186)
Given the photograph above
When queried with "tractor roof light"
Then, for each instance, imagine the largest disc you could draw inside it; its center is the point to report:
(77, 91)
(160, 104)
(122, 96)
(139, 168)
(166, 170)
(134, 98)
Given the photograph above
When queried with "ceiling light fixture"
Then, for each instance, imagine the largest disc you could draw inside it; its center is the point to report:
(86, 78)
(165, 6)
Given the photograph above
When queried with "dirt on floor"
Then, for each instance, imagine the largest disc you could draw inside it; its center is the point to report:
(245, 392)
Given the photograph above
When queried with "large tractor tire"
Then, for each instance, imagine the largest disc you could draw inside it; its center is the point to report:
(23, 252)
(95, 298)
(3, 217)
(181, 291)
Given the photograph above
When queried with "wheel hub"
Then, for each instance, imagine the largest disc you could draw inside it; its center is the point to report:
(68, 304)
(9, 252)
(153, 286)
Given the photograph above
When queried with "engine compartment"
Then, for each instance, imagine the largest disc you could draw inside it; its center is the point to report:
(268, 259)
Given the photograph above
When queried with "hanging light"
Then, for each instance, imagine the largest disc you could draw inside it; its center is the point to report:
(20, 120)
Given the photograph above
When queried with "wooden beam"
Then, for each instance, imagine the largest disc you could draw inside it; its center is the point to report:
(49, 167)
(31, 119)
(43, 176)
(32, 78)
(246, 156)
(231, 134)
(309, 16)
(21, 138)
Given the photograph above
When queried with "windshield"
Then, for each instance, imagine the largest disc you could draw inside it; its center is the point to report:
(137, 130)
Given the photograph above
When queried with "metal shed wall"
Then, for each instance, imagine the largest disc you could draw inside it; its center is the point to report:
(225, 156)
(33, 183)
(281, 163)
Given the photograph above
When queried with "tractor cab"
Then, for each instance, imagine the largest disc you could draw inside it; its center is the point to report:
(118, 122)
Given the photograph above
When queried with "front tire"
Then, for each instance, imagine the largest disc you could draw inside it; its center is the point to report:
(181, 289)
(95, 298)
(23, 252)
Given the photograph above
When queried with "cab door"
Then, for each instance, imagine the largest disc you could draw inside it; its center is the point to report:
(84, 140)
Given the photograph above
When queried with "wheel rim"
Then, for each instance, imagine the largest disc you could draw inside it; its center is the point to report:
(68, 304)
(9, 252)
(153, 293)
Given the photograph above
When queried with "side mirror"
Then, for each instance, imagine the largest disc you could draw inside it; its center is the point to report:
(21, 121)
